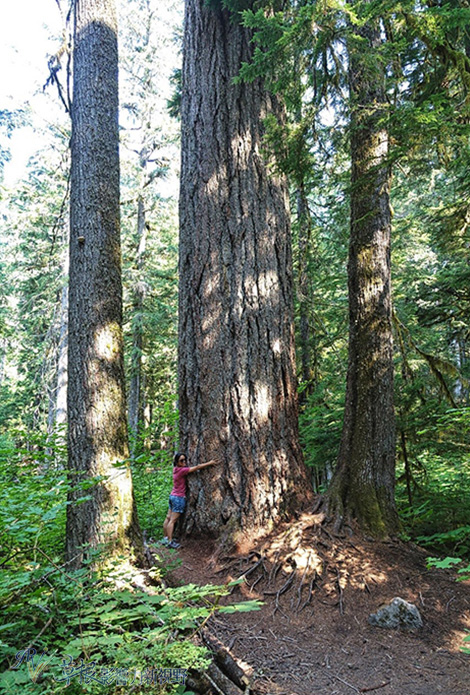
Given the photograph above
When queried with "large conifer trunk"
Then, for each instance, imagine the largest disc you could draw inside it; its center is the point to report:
(237, 386)
(97, 436)
(364, 481)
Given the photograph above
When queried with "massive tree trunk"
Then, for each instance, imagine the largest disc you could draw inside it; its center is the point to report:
(364, 481)
(97, 438)
(237, 385)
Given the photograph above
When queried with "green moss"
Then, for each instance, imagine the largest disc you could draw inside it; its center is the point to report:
(364, 503)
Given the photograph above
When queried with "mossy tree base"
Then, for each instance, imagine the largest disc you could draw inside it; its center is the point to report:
(364, 481)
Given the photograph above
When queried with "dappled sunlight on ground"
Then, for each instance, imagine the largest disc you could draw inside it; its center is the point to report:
(312, 636)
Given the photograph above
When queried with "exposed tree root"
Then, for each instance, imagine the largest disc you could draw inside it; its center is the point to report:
(302, 583)
(275, 568)
(340, 592)
(310, 592)
(252, 569)
(319, 502)
(304, 561)
(300, 559)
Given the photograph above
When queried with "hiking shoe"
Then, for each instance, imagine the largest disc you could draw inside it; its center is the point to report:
(173, 544)
(164, 541)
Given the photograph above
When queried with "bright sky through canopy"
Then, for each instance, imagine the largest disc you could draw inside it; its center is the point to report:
(30, 31)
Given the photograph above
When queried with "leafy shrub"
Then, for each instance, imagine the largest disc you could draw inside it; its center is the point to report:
(152, 468)
(439, 516)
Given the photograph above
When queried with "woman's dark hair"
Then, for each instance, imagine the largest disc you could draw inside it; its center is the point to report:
(177, 458)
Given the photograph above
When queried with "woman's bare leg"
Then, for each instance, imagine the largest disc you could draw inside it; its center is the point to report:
(169, 525)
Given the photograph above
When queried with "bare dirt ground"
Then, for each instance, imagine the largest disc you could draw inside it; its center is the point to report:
(312, 635)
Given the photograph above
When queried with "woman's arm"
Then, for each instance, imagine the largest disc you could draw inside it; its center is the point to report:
(193, 469)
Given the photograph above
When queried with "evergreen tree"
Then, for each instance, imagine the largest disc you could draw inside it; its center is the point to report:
(35, 245)
(97, 432)
(148, 151)
(237, 387)
(363, 485)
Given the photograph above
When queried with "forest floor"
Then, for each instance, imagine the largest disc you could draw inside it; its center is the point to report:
(312, 636)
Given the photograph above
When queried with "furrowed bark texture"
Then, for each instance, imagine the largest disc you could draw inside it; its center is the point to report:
(97, 436)
(237, 386)
(364, 482)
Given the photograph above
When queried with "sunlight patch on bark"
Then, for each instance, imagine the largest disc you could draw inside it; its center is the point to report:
(104, 16)
(266, 285)
(108, 341)
(263, 402)
(242, 146)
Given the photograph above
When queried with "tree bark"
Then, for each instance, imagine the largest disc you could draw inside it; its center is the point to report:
(237, 384)
(3, 353)
(136, 411)
(364, 481)
(60, 418)
(305, 298)
(97, 437)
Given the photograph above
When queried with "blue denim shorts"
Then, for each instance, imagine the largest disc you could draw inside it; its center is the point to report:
(177, 504)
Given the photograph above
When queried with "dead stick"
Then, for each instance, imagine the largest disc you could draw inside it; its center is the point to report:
(310, 592)
(374, 687)
(353, 687)
(340, 591)
(38, 636)
(275, 568)
(225, 661)
(301, 584)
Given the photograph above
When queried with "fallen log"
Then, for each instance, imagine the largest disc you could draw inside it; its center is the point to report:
(213, 682)
(226, 662)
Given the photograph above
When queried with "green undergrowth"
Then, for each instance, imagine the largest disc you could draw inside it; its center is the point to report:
(152, 475)
(438, 516)
(105, 625)
(107, 631)
(152, 468)
(438, 477)
(462, 568)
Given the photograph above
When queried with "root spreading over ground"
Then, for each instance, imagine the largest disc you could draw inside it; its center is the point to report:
(312, 635)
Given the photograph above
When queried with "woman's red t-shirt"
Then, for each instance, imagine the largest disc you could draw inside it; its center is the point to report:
(179, 481)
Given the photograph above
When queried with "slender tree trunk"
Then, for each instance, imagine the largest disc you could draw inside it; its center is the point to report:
(3, 354)
(62, 375)
(364, 481)
(307, 356)
(61, 391)
(57, 389)
(97, 434)
(408, 476)
(46, 384)
(135, 386)
(237, 385)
